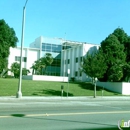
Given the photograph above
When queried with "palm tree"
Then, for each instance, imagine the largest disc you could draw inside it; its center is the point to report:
(42, 63)
(48, 60)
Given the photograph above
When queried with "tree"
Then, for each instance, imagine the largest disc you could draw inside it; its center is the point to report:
(115, 56)
(15, 68)
(48, 60)
(94, 65)
(121, 35)
(7, 39)
(25, 71)
(124, 39)
(42, 63)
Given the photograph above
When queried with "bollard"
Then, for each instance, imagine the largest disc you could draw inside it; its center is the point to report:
(62, 90)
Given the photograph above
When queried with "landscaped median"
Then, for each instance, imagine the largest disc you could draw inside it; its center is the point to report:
(9, 87)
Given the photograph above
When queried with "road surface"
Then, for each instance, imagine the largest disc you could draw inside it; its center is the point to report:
(62, 114)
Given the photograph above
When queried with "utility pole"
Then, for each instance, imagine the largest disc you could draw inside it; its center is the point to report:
(19, 93)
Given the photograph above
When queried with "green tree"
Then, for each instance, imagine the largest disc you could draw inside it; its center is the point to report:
(7, 39)
(124, 39)
(48, 60)
(25, 71)
(42, 63)
(94, 65)
(115, 56)
(15, 68)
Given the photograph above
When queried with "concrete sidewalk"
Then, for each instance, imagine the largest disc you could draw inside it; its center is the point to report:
(75, 98)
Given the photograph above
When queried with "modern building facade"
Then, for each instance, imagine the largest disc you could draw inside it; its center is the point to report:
(67, 56)
(36, 50)
(72, 59)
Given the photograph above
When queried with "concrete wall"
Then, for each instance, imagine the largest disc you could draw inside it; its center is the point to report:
(120, 87)
(46, 78)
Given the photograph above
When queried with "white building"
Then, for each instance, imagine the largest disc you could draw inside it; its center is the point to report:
(29, 56)
(68, 56)
(37, 49)
(72, 58)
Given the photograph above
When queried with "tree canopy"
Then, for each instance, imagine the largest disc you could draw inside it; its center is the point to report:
(115, 58)
(116, 49)
(7, 39)
(94, 64)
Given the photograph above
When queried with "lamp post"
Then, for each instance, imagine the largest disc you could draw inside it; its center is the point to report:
(19, 93)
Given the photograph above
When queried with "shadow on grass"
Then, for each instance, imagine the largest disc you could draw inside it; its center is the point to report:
(51, 92)
(89, 86)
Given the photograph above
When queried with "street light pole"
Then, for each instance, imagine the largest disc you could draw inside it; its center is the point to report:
(19, 93)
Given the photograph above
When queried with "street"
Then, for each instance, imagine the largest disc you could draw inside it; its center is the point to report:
(62, 114)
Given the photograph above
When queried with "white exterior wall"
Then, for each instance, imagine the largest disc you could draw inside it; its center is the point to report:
(37, 43)
(31, 54)
(46, 78)
(120, 87)
(78, 51)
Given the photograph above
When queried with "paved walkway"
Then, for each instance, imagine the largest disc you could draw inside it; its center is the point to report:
(53, 98)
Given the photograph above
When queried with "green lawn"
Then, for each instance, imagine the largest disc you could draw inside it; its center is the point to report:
(9, 87)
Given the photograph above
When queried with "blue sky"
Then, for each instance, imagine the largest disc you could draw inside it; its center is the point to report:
(77, 20)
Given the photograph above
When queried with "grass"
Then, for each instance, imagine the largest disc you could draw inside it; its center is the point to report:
(9, 87)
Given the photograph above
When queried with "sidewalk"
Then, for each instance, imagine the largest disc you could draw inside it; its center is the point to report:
(76, 98)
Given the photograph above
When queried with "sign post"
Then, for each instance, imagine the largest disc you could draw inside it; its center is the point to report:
(62, 90)
(68, 82)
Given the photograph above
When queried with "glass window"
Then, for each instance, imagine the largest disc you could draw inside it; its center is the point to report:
(48, 48)
(81, 58)
(68, 61)
(76, 73)
(43, 46)
(24, 59)
(80, 73)
(17, 58)
(53, 48)
(58, 48)
(76, 59)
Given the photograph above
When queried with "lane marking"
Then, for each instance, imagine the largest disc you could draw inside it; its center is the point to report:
(67, 114)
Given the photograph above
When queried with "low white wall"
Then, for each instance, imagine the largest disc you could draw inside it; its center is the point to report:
(120, 87)
(46, 78)
(28, 77)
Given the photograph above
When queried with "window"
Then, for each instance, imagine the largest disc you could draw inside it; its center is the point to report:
(81, 58)
(80, 73)
(24, 59)
(76, 73)
(17, 58)
(68, 61)
(43, 46)
(76, 59)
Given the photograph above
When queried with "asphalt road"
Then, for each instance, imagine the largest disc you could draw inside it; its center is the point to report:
(62, 115)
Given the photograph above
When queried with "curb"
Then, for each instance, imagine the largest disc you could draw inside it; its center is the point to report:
(87, 98)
